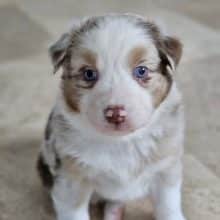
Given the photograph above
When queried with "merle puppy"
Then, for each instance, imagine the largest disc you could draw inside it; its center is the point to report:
(116, 130)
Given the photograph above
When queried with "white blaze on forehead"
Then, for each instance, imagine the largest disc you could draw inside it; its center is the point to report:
(114, 38)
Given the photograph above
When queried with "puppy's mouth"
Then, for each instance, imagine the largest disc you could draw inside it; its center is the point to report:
(117, 125)
(117, 129)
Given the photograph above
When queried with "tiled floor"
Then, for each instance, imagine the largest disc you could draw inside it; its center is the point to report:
(27, 90)
(20, 35)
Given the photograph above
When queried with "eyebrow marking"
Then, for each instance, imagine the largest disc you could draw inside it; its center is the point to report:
(90, 58)
(136, 55)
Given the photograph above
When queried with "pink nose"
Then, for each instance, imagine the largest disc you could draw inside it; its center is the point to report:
(115, 114)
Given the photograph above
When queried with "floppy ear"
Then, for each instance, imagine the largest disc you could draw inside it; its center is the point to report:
(170, 51)
(58, 51)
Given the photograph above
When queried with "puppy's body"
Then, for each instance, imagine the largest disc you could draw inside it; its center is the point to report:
(86, 154)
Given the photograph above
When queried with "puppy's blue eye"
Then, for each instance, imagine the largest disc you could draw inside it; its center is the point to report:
(140, 72)
(90, 75)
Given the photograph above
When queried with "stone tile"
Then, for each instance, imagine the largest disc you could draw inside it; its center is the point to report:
(58, 19)
(21, 195)
(199, 40)
(27, 91)
(208, 17)
(200, 84)
(206, 12)
(20, 36)
(72, 8)
(201, 192)
(6, 2)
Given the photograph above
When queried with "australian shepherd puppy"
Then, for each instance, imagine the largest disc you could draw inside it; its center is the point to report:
(116, 130)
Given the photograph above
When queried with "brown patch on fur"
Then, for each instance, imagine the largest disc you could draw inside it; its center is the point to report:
(174, 48)
(90, 58)
(135, 56)
(97, 210)
(71, 95)
(159, 88)
(46, 176)
(167, 47)
(165, 44)
(44, 172)
(62, 49)
(48, 129)
(73, 79)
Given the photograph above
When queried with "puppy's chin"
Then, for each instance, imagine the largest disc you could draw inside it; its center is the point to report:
(123, 129)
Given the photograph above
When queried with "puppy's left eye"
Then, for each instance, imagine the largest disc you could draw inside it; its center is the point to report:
(90, 75)
(141, 72)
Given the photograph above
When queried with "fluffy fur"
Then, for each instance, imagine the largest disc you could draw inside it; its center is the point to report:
(83, 155)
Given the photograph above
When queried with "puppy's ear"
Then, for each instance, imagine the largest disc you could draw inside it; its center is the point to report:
(170, 51)
(58, 51)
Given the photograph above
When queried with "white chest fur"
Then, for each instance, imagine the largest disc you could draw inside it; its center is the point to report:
(120, 170)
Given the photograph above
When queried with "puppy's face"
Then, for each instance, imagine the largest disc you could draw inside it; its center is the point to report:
(115, 71)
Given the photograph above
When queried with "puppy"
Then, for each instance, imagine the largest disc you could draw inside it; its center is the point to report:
(116, 130)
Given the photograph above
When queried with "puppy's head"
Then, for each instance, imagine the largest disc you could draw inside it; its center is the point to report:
(116, 71)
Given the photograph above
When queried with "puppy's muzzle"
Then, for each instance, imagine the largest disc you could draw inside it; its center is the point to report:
(115, 114)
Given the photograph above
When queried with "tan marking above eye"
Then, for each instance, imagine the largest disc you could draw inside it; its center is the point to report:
(90, 58)
(136, 56)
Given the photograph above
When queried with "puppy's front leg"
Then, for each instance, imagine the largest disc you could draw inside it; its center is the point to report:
(166, 194)
(71, 199)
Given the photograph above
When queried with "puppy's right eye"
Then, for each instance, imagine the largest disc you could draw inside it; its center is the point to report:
(90, 75)
(140, 72)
